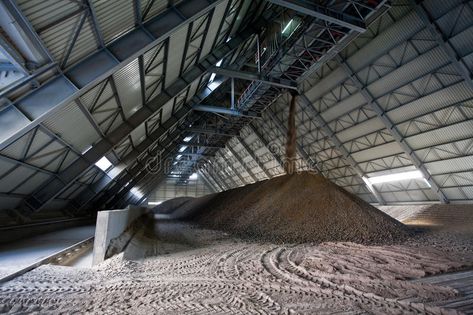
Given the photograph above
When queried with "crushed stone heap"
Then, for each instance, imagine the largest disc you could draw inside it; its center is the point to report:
(301, 207)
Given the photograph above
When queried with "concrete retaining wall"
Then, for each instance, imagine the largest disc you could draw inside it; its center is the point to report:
(111, 224)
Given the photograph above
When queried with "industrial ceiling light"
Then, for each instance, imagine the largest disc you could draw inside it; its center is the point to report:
(135, 191)
(183, 148)
(178, 157)
(193, 176)
(189, 138)
(104, 164)
(86, 149)
(395, 177)
(154, 203)
(288, 25)
(213, 75)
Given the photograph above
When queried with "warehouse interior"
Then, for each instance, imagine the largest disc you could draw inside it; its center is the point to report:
(236, 156)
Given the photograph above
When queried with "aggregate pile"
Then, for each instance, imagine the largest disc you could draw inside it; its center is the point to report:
(301, 207)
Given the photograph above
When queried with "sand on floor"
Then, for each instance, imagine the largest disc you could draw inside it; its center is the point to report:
(184, 269)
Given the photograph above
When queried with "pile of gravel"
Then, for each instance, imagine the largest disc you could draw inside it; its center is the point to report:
(296, 208)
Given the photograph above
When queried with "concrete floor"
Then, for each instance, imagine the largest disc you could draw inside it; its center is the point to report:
(18, 255)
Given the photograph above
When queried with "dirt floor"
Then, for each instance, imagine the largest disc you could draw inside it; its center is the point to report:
(176, 268)
(296, 208)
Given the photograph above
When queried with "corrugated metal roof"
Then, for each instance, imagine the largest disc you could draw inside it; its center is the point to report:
(455, 165)
(177, 43)
(435, 101)
(405, 28)
(58, 38)
(152, 8)
(420, 66)
(46, 12)
(326, 84)
(13, 179)
(114, 17)
(85, 44)
(405, 69)
(154, 70)
(440, 7)
(32, 183)
(128, 85)
(213, 28)
(456, 20)
(70, 124)
(138, 135)
(462, 42)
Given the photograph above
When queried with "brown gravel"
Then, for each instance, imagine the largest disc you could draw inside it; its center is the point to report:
(169, 205)
(183, 269)
(296, 208)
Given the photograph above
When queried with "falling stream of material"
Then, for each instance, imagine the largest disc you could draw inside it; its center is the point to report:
(290, 165)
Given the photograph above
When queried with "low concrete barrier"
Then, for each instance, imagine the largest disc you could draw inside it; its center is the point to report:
(110, 225)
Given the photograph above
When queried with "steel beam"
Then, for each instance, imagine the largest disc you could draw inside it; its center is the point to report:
(323, 13)
(224, 111)
(16, 60)
(244, 75)
(324, 127)
(111, 58)
(131, 177)
(391, 128)
(266, 144)
(254, 157)
(203, 171)
(195, 154)
(201, 145)
(219, 179)
(54, 188)
(230, 178)
(443, 41)
(29, 35)
(197, 98)
(243, 181)
(207, 182)
(250, 172)
(213, 131)
(135, 153)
